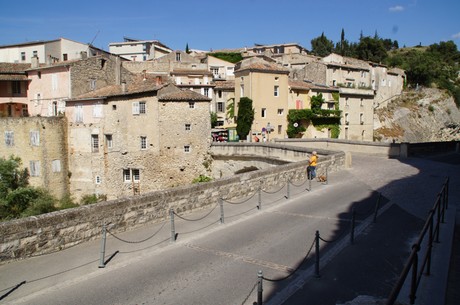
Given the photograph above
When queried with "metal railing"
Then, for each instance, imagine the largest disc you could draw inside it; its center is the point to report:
(429, 235)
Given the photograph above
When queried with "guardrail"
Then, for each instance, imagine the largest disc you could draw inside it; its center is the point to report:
(431, 231)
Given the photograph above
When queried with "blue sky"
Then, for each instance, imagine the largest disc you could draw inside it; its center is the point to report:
(217, 24)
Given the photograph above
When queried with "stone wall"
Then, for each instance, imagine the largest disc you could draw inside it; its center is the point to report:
(59, 230)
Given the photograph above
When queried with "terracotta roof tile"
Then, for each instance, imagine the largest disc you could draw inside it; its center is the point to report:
(138, 85)
(6, 67)
(227, 84)
(183, 95)
(259, 64)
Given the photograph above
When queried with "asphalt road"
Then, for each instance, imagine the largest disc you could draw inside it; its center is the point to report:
(214, 263)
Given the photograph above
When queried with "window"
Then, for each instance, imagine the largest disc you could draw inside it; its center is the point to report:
(39, 74)
(56, 166)
(34, 138)
(34, 168)
(54, 108)
(334, 82)
(242, 90)
(361, 102)
(191, 105)
(139, 108)
(108, 141)
(280, 111)
(188, 127)
(92, 84)
(277, 79)
(219, 93)
(280, 129)
(143, 142)
(97, 110)
(187, 148)
(178, 56)
(215, 72)
(383, 82)
(346, 102)
(206, 92)
(131, 174)
(23, 56)
(35, 54)
(54, 82)
(346, 119)
(16, 86)
(79, 113)
(276, 90)
(95, 143)
(361, 118)
(9, 138)
(220, 107)
(263, 113)
(65, 57)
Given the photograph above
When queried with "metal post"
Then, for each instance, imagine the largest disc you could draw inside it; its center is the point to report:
(259, 288)
(377, 206)
(309, 180)
(327, 177)
(352, 233)
(288, 189)
(430, 247)
(413, 286)
(221, 203)
(173, 229)
(317, 254)
(102, 256)
(260, 197)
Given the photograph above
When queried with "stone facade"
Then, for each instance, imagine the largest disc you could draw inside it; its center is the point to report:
(146, 138)
(41, 144)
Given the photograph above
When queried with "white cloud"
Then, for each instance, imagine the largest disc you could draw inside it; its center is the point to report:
(397, 8)
(456, 36)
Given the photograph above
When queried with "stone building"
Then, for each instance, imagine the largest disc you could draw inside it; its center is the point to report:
(51, 85)
(224, 94)
(133, 138)
(42, 146)
(266, 84)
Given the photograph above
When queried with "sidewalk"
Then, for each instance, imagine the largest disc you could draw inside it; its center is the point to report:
(367, 271)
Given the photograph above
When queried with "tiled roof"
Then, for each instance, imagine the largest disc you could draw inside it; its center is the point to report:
(183, 95)
(227, 84)
(260, 65)
(190, 72)
(6, 67)
(304, 85)
(13, 71)
(138, 85)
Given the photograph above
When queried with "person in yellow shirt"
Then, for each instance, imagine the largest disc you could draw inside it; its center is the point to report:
(311, 170)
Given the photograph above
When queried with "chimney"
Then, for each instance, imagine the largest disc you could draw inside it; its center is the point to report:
(123, 87)
(35, 62)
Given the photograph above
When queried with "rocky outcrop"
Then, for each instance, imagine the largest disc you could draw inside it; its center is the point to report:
(424, 115)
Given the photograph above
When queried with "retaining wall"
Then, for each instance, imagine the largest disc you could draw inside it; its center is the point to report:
(59, 230)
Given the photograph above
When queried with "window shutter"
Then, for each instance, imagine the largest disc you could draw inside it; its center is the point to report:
(136, 108)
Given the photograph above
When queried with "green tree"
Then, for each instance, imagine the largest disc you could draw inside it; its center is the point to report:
(321, 46)
(187, 50)
(316, 103)
(11, 176)
(245, 117)
(371, 49)
(213, 119)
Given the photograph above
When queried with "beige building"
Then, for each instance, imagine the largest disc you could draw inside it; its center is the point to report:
(139, 50)
(300, 94)
(135, 138)
(48, 51)
(266, 84)
(224, 94)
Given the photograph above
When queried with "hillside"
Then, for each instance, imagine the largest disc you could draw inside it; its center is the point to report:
(424, 115)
